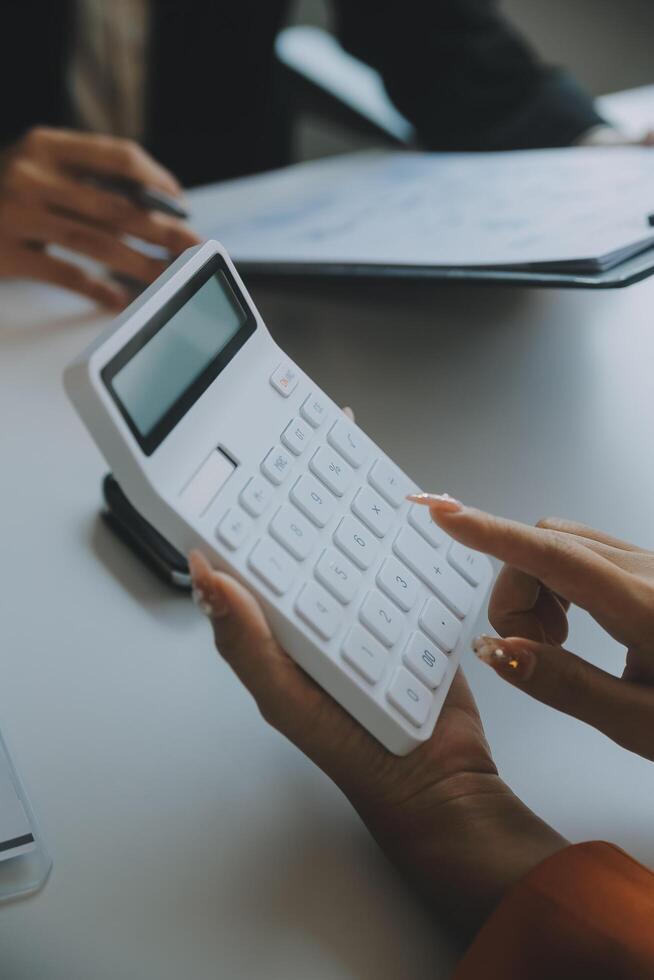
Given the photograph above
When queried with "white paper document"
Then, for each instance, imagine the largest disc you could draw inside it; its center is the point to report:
(582, 208)
(15, 831)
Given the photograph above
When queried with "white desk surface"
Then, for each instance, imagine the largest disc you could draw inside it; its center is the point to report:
(189, 840)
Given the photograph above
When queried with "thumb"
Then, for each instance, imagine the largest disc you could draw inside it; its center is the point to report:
(622, 710)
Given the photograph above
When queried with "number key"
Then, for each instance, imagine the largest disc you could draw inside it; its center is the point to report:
(357, 543)
(273, 565)
(398, 583)
(293, 532)
(317, 608)
(410, 697)
(338, 575)
(313, 500)
(425, 660)
(383, 619)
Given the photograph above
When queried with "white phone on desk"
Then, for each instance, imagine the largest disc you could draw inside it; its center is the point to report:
(222, 443)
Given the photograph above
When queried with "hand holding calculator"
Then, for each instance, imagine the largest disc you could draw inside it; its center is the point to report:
(223, 444)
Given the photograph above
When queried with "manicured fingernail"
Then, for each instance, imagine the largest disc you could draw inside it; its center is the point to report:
(210, 602)
(207, 593)
(440, 501)
(515, 662)
(201, 601)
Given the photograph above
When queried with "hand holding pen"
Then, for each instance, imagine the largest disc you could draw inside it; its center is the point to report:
(86, 193)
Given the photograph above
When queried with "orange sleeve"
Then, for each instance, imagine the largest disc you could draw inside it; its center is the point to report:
(586, 912)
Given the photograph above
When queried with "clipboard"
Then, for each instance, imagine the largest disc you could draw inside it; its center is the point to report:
(632, 270)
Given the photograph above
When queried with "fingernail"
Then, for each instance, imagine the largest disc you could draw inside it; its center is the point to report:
(441, 501)
(210, 603)
(502, 655)
(207, 595)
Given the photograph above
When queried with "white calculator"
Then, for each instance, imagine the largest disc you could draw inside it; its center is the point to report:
(222, 443)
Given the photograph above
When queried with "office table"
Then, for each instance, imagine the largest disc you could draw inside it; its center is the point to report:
(189, 840)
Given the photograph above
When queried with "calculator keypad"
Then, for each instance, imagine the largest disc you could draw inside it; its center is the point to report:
(399, 586)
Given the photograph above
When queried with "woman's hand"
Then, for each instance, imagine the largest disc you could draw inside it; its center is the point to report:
(46, 199)
(441, 814)
(547, 568)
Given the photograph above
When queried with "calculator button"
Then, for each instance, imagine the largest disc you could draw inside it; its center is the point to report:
(352, 538)
(272, 564)
(314, 410)
(234, 528)
(426, 661)
(285, 379)
(399, 584)
(365, 654)
(431, 566)
(390, 482)
(296, 436)
(331, 469)
(468, 563)
(276, 465)
(383, 619)
(338, 575)
(375, 513)
(319, 610)
(439, 623)
(420, 518)
(256, 495)
(290, 529)
(410, 697)
(350, 442)
(313, 500)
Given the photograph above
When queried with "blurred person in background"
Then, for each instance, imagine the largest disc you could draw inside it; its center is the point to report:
(171, 93)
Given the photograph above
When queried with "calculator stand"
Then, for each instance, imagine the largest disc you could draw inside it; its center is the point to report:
(27, 873)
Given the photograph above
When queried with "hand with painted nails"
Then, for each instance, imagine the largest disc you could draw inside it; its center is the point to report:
(47, 198)
(442, 814)
(547, 568)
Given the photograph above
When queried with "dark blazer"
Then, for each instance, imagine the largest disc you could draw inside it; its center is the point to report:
(215, 108)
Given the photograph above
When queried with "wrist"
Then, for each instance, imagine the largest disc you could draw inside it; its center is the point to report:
(464, 845)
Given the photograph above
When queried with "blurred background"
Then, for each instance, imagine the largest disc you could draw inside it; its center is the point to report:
(607, 45)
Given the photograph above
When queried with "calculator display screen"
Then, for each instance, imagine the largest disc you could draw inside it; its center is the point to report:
(174, 358)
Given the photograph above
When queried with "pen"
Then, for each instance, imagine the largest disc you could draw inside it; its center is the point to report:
(148, 198)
